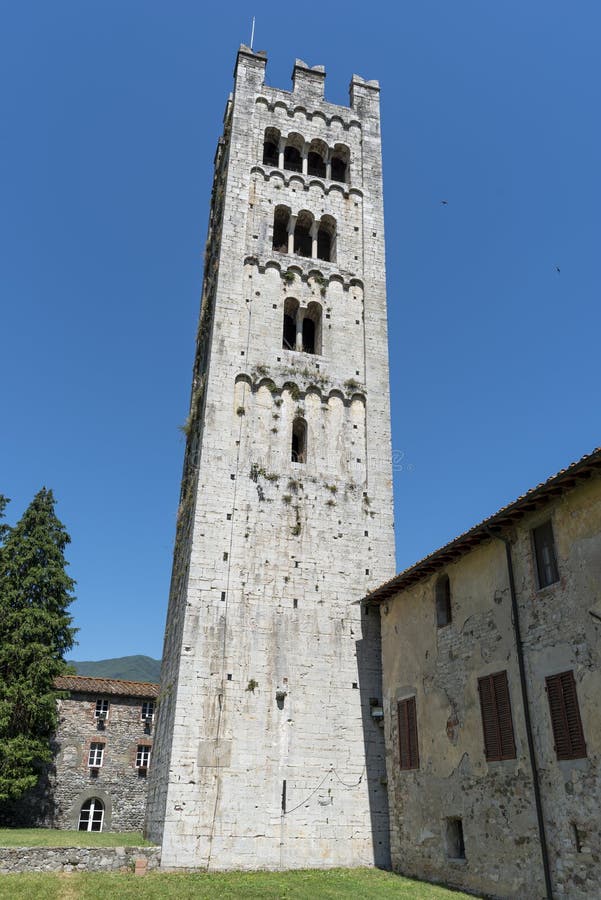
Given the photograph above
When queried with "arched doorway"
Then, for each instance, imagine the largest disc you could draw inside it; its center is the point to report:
(91, 815)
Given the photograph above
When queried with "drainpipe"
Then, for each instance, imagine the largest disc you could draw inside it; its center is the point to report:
(526, 706)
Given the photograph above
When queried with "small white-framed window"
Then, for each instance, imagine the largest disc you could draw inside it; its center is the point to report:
(95, 755)
(102, 708)
(143, 756)
(148, 711)
(91, 815)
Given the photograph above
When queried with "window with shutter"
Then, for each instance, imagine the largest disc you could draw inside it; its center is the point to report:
(544, 552)
(565, 716)
(497, 724)
(408, 750)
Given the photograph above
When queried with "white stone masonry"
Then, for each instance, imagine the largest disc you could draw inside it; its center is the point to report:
(267, 752)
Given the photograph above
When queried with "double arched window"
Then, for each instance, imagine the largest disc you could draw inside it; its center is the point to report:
(301, 327)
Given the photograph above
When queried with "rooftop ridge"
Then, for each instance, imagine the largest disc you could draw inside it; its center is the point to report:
(556, 484)
(116, 686)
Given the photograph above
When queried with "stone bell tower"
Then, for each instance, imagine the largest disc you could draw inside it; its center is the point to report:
(269, 749)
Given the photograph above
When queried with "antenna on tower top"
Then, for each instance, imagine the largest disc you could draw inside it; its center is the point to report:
(252, 33)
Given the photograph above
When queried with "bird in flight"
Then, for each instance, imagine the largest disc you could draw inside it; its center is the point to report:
(444, 202)
(558, 270)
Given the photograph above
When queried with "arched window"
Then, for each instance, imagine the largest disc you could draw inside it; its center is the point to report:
(326, 239)
(281, 217)
(289, 330)
(302, 234)
(316, 165)
(299, 441)
(308, 335)
(316, 159)
(91, 815)
(271, 147)
(443, 601)
(312, 329)
(339, 164)
(270, 154)
(293, 160)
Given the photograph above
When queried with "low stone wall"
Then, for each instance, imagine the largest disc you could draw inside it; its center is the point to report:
(77, 859)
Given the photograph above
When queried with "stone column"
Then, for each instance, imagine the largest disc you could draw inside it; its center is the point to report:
(281, 148)
(305, 159)
(291, 226)
(299, 329)
(314, 230)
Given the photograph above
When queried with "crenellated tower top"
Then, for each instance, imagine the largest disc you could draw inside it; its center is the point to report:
(307, 81)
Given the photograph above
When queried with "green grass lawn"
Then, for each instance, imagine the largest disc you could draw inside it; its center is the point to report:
(335, 884)
(52, 837)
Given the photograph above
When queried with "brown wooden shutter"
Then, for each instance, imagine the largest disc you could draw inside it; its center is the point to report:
(565, 716)
(408, 748)
(492, 744)
(497, 724)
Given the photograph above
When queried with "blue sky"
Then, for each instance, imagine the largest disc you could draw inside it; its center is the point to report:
(109, 117)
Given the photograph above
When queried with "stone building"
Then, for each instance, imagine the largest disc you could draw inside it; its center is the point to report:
(102, 753)
(492, 678)
(269, 749)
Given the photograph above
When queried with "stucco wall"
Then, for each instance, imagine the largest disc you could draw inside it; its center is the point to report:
(441, 667)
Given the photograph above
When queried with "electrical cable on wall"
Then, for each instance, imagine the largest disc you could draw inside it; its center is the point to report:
(331, 771)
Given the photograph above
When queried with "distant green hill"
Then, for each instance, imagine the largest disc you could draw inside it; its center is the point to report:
(132, 668)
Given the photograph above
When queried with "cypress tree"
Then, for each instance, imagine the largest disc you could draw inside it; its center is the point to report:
(3, 528)
(35, 633)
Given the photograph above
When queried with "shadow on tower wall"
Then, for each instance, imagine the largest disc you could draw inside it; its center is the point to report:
(369, 666)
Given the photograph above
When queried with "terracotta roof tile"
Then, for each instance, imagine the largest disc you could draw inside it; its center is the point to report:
(557, 484)
(116, 687)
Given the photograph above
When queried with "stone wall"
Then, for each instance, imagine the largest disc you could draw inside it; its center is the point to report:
(267, 753)
(118, 783)
(440, 667)
(76, 859)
